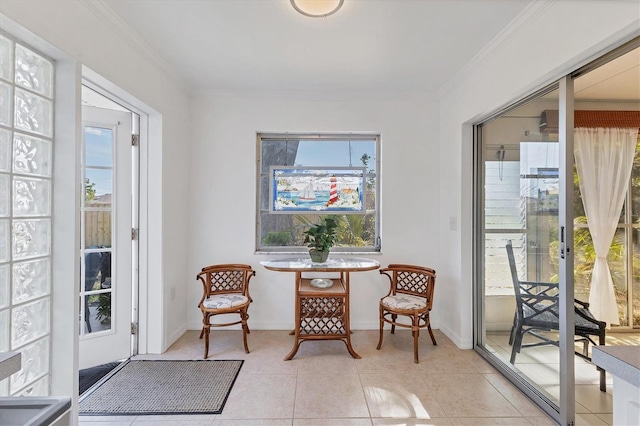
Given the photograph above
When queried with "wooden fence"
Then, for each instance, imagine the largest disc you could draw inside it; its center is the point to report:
(97, 228)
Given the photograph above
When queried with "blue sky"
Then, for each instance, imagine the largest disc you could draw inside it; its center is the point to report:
(99, 153)
(334, 153)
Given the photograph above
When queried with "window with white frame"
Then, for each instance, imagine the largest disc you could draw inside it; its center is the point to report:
(302, 178)
(26, 138)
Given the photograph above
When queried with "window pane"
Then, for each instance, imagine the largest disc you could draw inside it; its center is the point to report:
(97, 229)
(6, 95)
(286, 229)
(35, 363)
(30, 280)
(4, 287)
(6, 53)
(4, 194)
(97, 313)
(31, 238)
(519, 195)
(33, 113)
(37, 388)
(29, 322)
(5, 150)
(33, 71)
(4, 330)
(98, 187)
(31, 155)
(98, 147)
(31, 197)
(5, 236)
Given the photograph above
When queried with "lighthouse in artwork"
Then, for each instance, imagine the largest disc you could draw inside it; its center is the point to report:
(333, 191)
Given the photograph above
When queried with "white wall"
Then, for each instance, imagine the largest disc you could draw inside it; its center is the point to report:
(223, 184)
(548, 41)
(77, 32)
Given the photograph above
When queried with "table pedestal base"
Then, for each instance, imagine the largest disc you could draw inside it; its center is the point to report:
(322, 313)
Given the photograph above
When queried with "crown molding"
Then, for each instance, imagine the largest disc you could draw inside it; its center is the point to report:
(529, 15)
(103, 12)
(320, 95)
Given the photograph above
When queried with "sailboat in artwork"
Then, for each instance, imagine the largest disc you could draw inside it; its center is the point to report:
(307, 194)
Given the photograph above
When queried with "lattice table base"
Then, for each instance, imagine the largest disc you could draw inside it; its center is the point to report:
(322, 316)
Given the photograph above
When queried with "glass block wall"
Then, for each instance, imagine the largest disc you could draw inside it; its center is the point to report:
(26, 138)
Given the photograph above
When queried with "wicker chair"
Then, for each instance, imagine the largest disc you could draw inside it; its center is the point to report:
(410, 295)
(225, 291)
(537, 310)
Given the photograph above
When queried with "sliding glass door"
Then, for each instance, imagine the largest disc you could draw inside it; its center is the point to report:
(518, 215)
(557, 185)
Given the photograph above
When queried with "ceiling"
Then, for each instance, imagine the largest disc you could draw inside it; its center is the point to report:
(618, 79)
(381, 46)
(368, 46)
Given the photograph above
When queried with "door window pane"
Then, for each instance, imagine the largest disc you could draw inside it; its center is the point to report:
(98, 147)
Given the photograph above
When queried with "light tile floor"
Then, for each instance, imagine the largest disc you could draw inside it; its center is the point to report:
(541, 365)
(324, 385)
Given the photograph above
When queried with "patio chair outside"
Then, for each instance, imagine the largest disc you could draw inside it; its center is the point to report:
(537, 310)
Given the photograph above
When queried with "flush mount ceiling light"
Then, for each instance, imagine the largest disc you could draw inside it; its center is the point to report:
(317, 8)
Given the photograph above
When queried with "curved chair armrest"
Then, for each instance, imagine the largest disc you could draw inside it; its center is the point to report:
(601, 324)
(252, 274)
(540, 284)
(205, 291)
(385, 271)
(585, 305)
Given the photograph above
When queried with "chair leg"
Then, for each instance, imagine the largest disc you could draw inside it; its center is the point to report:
(393, 323)
(245, 330)
(433, 338)
(416, 333)
(381, 327)
(206, 341)
(603, 373)
(517, 342)
(513, 329)
(206, 330)
(205, 320)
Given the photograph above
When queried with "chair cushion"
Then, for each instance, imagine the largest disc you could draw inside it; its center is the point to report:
(404, 301)
(549, 318)
(221, 301)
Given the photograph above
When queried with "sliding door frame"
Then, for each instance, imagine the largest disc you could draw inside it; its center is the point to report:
(567, 400)
(564, 412)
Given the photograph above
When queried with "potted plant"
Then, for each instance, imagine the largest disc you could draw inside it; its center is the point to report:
(320, 238)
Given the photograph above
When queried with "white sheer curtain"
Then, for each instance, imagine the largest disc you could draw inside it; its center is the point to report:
(604, 157)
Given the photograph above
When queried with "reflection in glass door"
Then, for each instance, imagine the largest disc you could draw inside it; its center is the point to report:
(518, 246)
(97, 220)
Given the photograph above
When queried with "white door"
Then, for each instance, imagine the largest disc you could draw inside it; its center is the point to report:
(106, 232)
